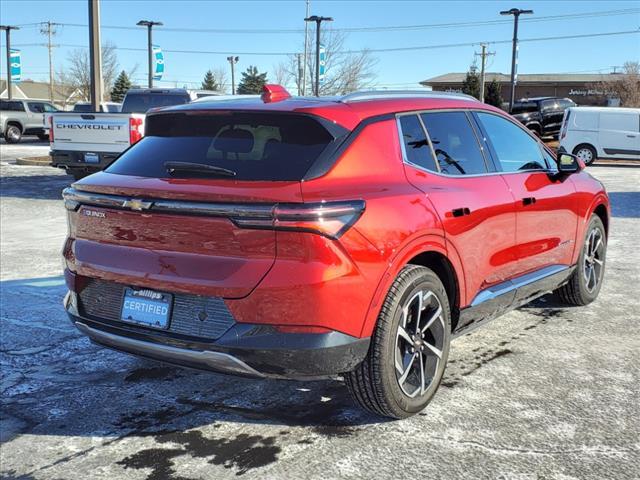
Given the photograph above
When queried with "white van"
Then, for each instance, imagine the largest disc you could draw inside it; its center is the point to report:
(601, 132)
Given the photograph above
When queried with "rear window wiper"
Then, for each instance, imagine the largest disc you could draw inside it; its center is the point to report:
(177, 167)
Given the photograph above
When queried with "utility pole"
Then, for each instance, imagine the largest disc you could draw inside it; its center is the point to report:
(300, 74)
(149, 24)
(48, 28)
(306, 52)
(483, 55)
(318, 20)
(95, 54)
(516, 12)
(7, 29)
(233, 60)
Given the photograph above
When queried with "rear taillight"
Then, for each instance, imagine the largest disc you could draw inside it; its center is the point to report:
(50, 128)
(135, 129)
(565, 124)
(330, 219)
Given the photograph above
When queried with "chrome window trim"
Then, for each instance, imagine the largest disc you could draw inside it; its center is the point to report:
(467, 110)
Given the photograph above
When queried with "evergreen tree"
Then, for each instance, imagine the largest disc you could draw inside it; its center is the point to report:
(493, 96)
(120, 87)
(252, 81)
(471, 83)
(209, 82)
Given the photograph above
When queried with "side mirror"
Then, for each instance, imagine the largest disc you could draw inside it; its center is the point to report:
(568, 163)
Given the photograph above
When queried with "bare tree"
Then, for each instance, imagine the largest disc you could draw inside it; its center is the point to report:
(281, 73)
(345, 71)
(624, 85)
(220, 74)
(78, 73)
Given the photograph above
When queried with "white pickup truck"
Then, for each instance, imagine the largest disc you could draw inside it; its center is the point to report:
(84, 143)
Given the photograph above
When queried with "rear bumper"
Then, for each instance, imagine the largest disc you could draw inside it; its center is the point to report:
(248, 350)
(75, 160)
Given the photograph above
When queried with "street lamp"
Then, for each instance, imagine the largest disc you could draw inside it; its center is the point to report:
(149, 24)
(233, 60)
(318, 20)
(516, 12)
(7, 29)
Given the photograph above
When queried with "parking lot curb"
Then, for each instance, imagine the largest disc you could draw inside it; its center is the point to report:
(34, 161)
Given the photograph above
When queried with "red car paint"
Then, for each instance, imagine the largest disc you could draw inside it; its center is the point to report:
(309, 282)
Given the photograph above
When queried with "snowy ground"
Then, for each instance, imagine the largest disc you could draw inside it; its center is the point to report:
(544, 392)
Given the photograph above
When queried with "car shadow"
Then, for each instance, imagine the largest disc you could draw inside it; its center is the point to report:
(27, 140)
(625, 204)
(37, 187)
(56, 382)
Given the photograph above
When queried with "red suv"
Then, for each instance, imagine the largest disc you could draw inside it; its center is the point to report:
(301, 237)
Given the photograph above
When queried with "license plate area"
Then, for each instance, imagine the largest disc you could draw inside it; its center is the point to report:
(147, 308)
(91, 158)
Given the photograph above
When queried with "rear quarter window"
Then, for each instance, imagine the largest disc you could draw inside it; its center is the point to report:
(142, 102)
(256, 146)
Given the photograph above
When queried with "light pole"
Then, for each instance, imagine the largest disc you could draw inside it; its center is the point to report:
(318, 20)
(516, 12)
(149, 24)
(7, 29)
(233, 60)
(95, 55)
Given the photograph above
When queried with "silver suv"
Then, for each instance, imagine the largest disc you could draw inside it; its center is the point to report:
(24, 117)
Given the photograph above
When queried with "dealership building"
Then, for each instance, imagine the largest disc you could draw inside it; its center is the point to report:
(584, 89)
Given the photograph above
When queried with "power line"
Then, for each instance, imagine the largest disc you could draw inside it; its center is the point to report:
(374, 50)
(376, 29)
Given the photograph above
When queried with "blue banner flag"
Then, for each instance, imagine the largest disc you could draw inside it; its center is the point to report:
(16, 65)
(323, 62)
(158, 62)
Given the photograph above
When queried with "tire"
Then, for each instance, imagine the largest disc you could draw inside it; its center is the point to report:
(586, 153)
(43, 136)
(377, 383)
(585, 282)
(77, 174)
(12, 133)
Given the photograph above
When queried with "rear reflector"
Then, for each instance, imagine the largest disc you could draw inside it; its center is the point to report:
(50, 128)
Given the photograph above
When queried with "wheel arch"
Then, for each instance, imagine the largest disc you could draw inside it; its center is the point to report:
(434, 252)
(16, 123)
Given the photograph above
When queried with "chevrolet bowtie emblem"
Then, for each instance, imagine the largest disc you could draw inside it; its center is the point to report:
(135, 204)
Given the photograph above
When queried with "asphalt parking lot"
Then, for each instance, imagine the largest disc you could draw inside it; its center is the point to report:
(543, 392)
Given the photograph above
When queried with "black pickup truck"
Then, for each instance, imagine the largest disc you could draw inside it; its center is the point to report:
(542, 115)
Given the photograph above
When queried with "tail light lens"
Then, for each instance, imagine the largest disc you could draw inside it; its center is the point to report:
(330, 219)
(565, 124)
(50, 128)
(135, 129)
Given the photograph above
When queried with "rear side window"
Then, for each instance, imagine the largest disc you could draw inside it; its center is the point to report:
(11, 106)
(416, 145)
(515, 149)
(142, 102)
(524, 107)
(113, 108)
(454, 143)
(256, 146)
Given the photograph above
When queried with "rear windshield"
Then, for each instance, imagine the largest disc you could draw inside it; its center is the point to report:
(85, 107)
(141, 102)
(255, 146)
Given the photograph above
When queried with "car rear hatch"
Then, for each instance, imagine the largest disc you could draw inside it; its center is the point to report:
(191, 207)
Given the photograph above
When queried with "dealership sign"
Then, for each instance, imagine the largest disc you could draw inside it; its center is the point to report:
(16, 65)
(158, 57)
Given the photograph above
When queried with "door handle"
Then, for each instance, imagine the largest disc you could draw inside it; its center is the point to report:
(631, 136)
(528, 201)
(460, 212)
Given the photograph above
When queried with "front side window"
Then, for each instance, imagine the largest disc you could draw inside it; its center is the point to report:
(416, 145)
(515, 149)
(36, 107)
(143, 102)
(48, 108)
(454, 143)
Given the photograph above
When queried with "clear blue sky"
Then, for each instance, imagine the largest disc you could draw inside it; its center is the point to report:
(394, 69)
